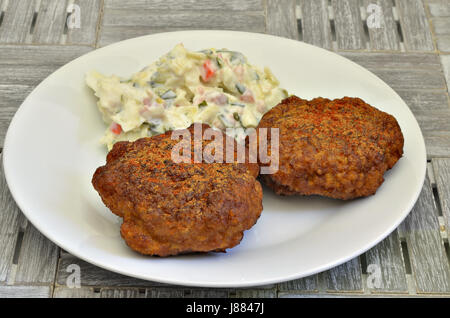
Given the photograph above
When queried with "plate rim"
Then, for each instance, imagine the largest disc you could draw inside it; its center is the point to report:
(211, 283)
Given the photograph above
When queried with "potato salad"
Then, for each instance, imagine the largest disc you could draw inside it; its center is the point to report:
(214, 86)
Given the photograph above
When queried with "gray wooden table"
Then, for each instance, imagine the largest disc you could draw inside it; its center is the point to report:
(404, 42)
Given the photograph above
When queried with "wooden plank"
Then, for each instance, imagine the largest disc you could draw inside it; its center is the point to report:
(25, 291)
(234, 5)
(386, 36)
(439, 8)
(11, 220)
(411, 79)
(431, 109)
(11, 96)
(397, 61)
(95, 276)
(415, 26)
(349, 26)
(425, 101)
(387, 258)
(445, 60)
(315, 23)
(281, 19)
(425, 247)
(50, 22)
(232, 20)
(90, 16)
(121, 293)
(184, 292)
(253, 293)
(441, 169)
(441, 26)
(438, 144)
(83, 292)
(344, 278)
(38, 55)
(17, 61)
(443, 43)
(119, 25)
(164, 293)
(38, 258)
(21, 75)
(306, 284)
(403, 71)
(17, 21)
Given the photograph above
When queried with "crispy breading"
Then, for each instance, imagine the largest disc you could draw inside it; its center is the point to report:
(336, 148)
(170, 208)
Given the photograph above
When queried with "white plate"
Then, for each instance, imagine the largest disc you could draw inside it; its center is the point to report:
(52, 149)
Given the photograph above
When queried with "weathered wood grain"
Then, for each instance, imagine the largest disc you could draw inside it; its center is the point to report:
(184, 292)
(11, 220)
(306, 284)
(426, 101)
(21, 75)
(441, 26)
(349, 26)
(439, 8)
(38, 258)
(438, 144)
(121, 293)
(253, 293)
(396, 61)
(431, 109)
(22, 68)
(425, 247)
(90, 15)
(441, 168)
(403, 71)
(415, 26)
(11, 96)
(443, 43)
(386, 36)
(197, 19)
(40, 54)
(25, 291)
(445, 60)
(281, 19)
(50, 22)
(315, 23)
(95, 276)
(344, 278)
(234, 5)
(83, 292)
(17, 21)
(387, 258)
(122, 24)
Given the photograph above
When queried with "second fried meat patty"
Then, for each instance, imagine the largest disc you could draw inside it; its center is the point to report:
(170, 208)
(336, 148)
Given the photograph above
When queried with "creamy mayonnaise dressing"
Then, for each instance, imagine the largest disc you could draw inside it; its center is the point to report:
(217, 87)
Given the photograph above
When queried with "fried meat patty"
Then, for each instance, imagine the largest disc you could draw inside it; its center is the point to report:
(170, 208)
(336, 148)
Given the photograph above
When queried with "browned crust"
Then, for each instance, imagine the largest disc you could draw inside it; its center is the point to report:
(170, 208)
(339, 149)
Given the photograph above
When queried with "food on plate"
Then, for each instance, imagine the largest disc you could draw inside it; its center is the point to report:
(336, 148)
(170, 208)
(217, 87)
